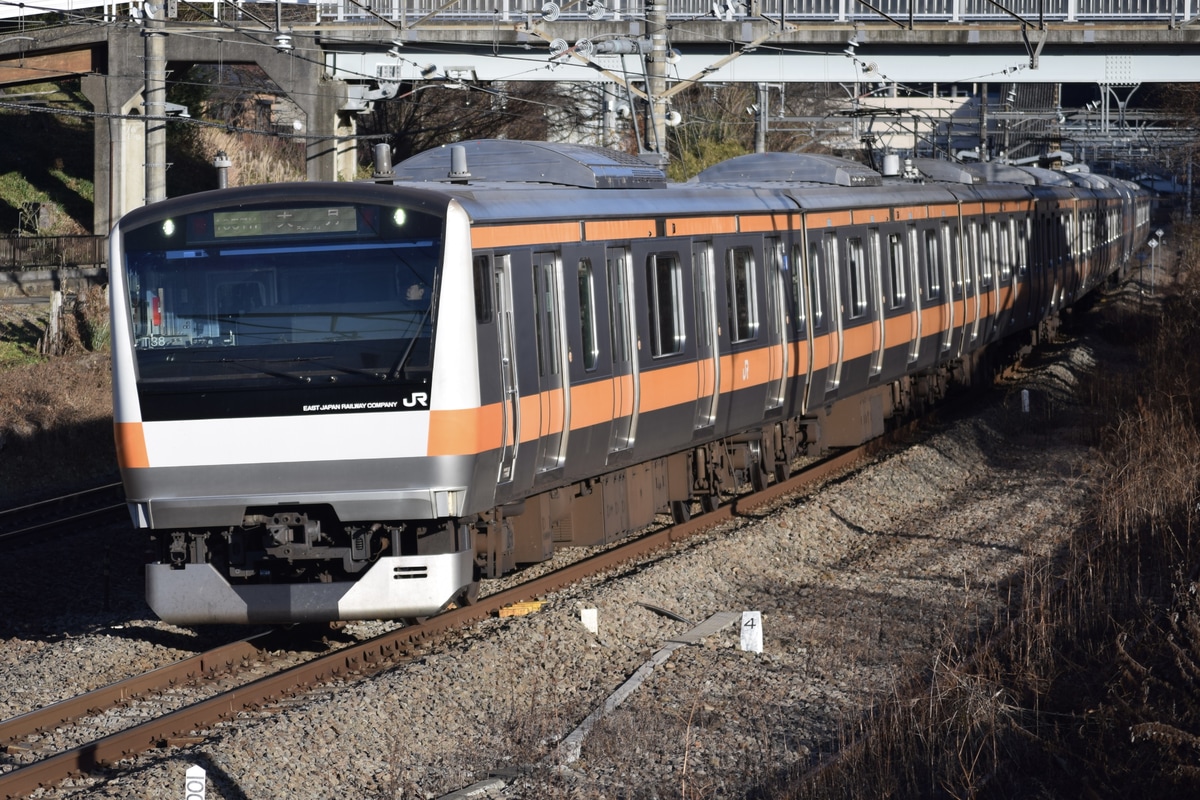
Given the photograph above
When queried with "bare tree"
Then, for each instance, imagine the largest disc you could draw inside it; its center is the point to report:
(427, 115)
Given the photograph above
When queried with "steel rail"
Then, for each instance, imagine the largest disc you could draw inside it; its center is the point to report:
(16, 534)
(207, 665)
(20, 521)
(52, 500)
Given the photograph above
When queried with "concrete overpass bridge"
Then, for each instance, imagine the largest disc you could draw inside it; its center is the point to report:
(335, 58)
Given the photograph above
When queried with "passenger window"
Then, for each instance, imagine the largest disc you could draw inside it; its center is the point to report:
(1006, 250)
(952, 247)
(933, 266)
(857, 271)
(483, 294)
(703, 294)
(743, 306)
(971, 256)
(797, 268)
(587, 314)
(1023, 247)
(986, 255)
(664, 279)
(895, 250)
(546, 315)
(618, 311)
(816, 268)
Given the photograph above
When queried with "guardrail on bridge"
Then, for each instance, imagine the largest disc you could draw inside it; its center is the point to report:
(840, 11)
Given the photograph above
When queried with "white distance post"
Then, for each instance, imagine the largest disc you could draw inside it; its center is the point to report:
(752, 636)
(194, 784)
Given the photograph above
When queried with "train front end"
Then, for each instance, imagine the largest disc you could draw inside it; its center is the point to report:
(273, 381)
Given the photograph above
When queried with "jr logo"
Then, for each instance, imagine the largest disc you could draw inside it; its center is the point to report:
(417, 400)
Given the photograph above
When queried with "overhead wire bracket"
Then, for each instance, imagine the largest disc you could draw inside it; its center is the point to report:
(574, 53)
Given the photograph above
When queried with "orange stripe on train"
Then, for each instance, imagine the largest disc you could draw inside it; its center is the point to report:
(131, 445)
(759, 223)
(600, 230)
(871, 215)
(592, 403)
(483, 238)
(899, 329)
(465, 431)
(667, 387)
(553, 412)
(700, 226)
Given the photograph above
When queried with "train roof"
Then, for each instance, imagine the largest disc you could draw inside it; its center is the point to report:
(501, 180)
(1048, 177)
(942, 171)
(508, 181)
(511, 160)
(790, 168)
(997, 172)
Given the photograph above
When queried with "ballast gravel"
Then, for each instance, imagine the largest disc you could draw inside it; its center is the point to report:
(859, 585)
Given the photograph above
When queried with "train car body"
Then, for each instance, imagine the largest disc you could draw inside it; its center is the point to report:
(342, 401)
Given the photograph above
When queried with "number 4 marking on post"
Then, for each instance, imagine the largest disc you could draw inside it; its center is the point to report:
(752, 636)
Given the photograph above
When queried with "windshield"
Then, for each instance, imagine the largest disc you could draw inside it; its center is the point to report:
(284, 293)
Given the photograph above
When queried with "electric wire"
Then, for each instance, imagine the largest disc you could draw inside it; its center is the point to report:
(253, 37)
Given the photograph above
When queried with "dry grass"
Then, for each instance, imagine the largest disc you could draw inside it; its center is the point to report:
(55, 412)
(1090, 689)
(255, 160)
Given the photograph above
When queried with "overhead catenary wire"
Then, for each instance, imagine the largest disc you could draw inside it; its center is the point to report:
(254, 36)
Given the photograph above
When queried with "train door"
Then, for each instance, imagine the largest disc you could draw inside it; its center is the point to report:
(835, 337)
(1039, 261)
(510, 407)
(1005, 290)
(907, 289)
(589, 356)
(624, 349)
(1086, 248)
(947, 273)
(988, 296)
(777, 367)
(743, 281)
(554, 398)
(859, 316)
(708, 357)
(874, 299)
(824, 319)
(1058, 259)
(972, 278)
(1074, 256)
(1022, 285)
(802, 308)
(966, 249)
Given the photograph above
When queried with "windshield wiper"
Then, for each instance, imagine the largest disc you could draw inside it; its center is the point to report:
(245, 362)
(403, 361)
(242, 362)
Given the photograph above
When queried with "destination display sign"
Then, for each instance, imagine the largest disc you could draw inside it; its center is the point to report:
(283, 221)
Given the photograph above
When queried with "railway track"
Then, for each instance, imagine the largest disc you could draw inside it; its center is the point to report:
(98, 505)
(232, 662)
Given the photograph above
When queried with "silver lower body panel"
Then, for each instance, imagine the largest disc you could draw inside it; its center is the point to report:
(394, 587)
(217, 496)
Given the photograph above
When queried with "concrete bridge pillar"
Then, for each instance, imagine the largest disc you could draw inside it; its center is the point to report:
(330, 153)
(120, 137)
(119, 144)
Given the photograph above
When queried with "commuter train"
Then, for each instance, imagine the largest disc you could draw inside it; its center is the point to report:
(355, 400)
